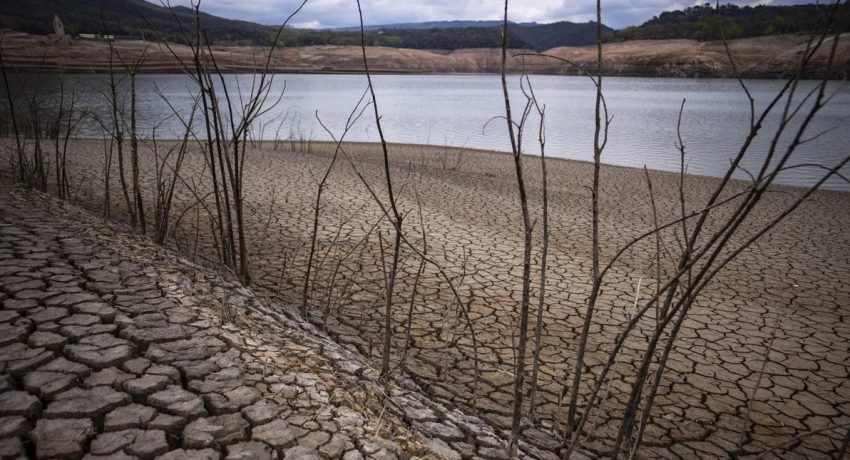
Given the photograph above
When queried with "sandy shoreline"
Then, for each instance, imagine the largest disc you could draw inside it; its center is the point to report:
(794, 280)
(438, 150)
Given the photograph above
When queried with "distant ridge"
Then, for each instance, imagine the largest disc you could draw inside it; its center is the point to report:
(155, 22)
(728, 21)
(542, 37)
(539, 37)
(459, 24)
(125, 17)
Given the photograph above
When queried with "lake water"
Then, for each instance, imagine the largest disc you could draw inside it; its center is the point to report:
(454, 110)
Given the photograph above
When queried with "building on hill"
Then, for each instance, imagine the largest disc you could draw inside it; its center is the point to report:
(96, 36)
(58, 27)
(58, 36)
(12, 33)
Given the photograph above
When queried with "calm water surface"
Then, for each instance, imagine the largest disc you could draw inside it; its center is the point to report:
(454, 110)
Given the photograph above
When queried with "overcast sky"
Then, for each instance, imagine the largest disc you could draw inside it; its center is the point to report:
(342, 13)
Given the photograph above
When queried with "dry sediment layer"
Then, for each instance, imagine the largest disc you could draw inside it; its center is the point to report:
(761, 57)
(790, 290)
(111, 347)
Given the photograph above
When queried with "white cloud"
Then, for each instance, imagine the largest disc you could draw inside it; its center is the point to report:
(342, 13)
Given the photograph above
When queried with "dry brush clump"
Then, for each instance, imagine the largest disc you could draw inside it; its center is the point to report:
(709, 236)
(38, 125)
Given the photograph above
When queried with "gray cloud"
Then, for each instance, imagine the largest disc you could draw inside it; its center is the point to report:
(341, 13)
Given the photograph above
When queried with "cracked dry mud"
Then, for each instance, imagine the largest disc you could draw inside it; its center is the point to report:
(791, 285)
(114, 348)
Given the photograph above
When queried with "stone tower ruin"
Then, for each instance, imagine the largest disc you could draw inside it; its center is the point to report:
(58, 27)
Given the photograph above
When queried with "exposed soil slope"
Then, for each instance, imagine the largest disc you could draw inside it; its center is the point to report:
(764, 57)
(786, 298)
(113, 347)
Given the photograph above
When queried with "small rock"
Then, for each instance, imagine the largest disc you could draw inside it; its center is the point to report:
(70, 299)
(260, 413)
(110, 376)
(169, 371)
(48, 314)
(347, 417)
(19, 304)
(277, 434)
(77, 333)
(314, 439)
(48, 384)
(146, 384)
(442, 450)
(136, 366)
(233, 400)
(11, 448)
(140, 443)
(78, 402)
(352, 455)
(334, 447)
(192, 350)
(171, 424)
(190, 454)
(540, 439)
(66, 367)
(379, 449)
(218, 382)
(464, 449)
(127, 417)
(100, 351)
(100, 309)
(177, 401)
(442, 431)
(18, 359)
(196, 369)
(165, 333)
(80, 320)
(63, 438)
(494, 453)
(215, 431)
(47, 340)
(414, 411)
(14, 332)
(13, 426)
(19, 403)
(249, 451)
(302, 453)
(7, 316)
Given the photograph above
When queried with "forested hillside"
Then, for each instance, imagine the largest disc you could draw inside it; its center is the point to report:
(715, 22)
(437, 39)
(124, 17)
(154, 22)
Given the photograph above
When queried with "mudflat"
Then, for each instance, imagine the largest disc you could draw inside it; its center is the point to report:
(762, 361)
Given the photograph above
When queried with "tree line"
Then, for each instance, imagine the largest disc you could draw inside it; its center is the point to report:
(716, 22)
(156, 23)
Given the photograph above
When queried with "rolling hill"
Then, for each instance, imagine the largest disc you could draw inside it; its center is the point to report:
(157, 23)
(706, 22)
(142, 18)
(125, 17)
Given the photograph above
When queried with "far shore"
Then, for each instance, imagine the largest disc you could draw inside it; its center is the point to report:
(759, 57)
